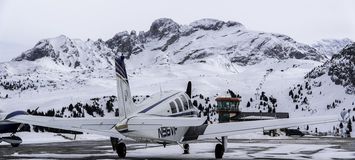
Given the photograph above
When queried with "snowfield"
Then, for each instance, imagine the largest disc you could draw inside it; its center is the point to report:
(211, 79)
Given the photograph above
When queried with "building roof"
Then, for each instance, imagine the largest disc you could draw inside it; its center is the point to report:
(227, 99)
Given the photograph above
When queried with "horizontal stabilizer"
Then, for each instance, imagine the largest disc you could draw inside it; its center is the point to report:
(99, 126)
(234, 128)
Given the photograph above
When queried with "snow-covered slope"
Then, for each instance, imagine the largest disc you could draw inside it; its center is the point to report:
(326, 89)
(329, 47)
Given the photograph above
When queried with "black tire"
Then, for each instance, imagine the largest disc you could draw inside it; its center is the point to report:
(15, 144)
(186, 148)
(219, 151)
(121, 150)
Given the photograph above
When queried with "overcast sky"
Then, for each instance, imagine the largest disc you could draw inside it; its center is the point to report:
(24, 22)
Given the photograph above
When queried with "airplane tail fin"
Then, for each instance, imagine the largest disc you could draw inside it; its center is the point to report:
(126, 106)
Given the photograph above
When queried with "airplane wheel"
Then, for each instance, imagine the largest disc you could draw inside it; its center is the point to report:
(15, 144)
(186, 148)
(219, 151)
(121, 150)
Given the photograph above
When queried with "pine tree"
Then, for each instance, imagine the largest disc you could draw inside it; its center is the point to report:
(248, 104)
(109, 106)
(296, 106)
(290, 94)
(265, 99)
(200, 107)
(307, 127)
(70, 108)
(195, 103)
(350, 128)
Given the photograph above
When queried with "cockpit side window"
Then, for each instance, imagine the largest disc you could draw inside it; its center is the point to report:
(178, 102)
(184, 102)
(190, 104)
(173, 107)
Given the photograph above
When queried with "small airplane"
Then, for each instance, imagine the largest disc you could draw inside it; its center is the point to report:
(8, 127)
(165, 118)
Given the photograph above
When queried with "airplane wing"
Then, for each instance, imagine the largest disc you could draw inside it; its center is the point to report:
(99, 126)
(234, 128)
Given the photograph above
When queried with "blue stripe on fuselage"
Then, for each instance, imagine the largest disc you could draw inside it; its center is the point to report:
(152, 106)
(16, 113)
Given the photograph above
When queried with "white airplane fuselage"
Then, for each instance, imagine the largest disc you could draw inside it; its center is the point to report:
(146, 124)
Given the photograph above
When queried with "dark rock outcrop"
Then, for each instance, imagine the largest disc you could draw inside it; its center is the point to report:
(340, 68)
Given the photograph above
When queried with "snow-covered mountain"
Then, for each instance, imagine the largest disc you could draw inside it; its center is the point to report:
(169, 42)
(72, 53)
(328, 88)
(340, 69)
(329, 47)
(216, 56)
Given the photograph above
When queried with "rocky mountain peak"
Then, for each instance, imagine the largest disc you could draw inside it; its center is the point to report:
(329, 47)
(126, 43)
(45, 48)
(162, 27)
(200, 40)
(348, 52)
(72, 53)
(340, 68)
(213, 24)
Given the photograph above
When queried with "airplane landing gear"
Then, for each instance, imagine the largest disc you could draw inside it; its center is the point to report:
(219, 151)
(119, 147)
(13, 140)
(186, 148)
(221, 147)
(15, 144)
(121, 150)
